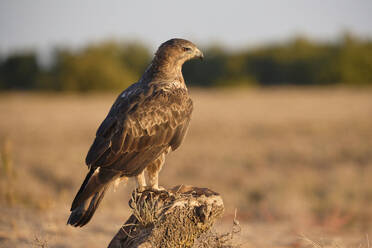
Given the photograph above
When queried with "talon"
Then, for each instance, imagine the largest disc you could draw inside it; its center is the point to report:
(158, 188)
(141, 189)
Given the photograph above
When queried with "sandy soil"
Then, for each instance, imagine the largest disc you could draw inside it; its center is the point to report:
(294, 162)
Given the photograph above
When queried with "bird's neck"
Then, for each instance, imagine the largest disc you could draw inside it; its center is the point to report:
(163, 71)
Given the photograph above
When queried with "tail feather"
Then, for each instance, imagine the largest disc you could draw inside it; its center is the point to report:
(83, 213)
(89, 196)
(82, 187)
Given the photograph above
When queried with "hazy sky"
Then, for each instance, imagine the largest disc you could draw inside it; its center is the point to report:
(43, 24)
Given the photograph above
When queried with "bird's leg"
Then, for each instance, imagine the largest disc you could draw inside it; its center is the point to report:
(153, 170)
(141, 181)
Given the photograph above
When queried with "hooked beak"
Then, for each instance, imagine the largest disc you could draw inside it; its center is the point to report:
(199, 54)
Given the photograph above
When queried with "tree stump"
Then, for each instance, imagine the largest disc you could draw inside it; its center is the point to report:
(168, 218)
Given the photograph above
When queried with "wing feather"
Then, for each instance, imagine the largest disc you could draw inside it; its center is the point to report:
(99, 146)
(118, 139)
(139, 127)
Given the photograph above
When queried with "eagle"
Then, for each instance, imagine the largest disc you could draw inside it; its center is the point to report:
(148, 120)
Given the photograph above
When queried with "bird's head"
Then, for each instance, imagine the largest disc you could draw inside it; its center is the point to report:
(178, 51)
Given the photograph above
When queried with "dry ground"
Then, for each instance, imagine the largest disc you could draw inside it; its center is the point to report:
(292, 161)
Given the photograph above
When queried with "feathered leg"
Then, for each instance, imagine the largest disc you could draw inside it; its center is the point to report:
(141, 181)
(153, 170)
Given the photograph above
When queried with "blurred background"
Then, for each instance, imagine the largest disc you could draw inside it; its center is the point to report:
(282, 125)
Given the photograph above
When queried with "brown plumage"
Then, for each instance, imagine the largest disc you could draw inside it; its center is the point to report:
(147, 120)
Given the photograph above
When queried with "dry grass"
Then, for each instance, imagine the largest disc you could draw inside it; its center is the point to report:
(299, 160)
(214, 239)
(333, 243)
(146, 212)
(39, 243)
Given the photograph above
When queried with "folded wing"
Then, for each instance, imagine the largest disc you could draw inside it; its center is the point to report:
(140, 126)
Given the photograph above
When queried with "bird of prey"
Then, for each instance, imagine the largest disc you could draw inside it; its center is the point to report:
(147, 120)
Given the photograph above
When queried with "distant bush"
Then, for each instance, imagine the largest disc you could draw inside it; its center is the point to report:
(299, 61)
(104, 66)
(115, 65)
(19, 71)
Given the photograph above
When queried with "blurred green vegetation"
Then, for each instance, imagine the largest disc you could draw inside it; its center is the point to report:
(115, 65)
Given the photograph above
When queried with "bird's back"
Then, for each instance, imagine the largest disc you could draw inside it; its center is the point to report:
(144, 119)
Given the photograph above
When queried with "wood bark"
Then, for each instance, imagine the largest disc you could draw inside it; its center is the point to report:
(168, 218)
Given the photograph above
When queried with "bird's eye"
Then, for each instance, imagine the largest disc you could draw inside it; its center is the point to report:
(186, 49)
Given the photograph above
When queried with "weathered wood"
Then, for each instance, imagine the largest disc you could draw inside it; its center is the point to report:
(169, 218)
